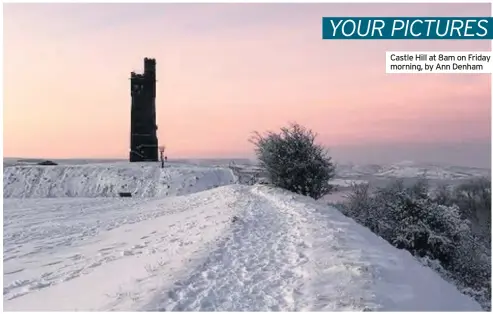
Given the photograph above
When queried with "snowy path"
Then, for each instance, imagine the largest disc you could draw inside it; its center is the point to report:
(284, 253)
(259, 267)
(287, 255)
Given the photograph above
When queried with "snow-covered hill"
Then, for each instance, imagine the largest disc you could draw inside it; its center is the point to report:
(108, 179)
(231, 248)
(344, 183)
(410, 169)
(430, 172)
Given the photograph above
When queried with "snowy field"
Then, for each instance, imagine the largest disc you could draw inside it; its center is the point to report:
(409, 169)
(346, 183)
(191, 240)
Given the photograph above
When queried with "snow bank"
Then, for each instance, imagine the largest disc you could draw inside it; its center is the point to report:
(233, 248)
(108, 179)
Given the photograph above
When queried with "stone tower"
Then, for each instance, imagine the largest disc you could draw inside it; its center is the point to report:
(143, 138)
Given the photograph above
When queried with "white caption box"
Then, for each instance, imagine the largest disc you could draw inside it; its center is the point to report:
(422, 62)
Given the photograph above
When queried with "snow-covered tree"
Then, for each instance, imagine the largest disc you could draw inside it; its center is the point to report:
(433, 227)
(293, 161)
(473, 198)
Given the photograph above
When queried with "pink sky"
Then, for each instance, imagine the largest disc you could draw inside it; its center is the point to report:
(225, 71)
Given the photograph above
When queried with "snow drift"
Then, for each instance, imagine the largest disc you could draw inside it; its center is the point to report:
(107, 180)
(281, 252)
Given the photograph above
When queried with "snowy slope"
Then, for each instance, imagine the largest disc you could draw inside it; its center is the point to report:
(284, 252)
(108, 179)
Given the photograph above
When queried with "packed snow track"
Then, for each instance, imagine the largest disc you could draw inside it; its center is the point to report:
(233, 248)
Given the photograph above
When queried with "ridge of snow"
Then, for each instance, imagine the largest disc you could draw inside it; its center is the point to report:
(105, 179)
(357, 257)
(283, 252)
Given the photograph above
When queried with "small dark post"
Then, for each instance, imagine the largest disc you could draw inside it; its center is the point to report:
(161, 151)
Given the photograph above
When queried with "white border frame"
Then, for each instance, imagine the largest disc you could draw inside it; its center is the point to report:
(222, 1)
